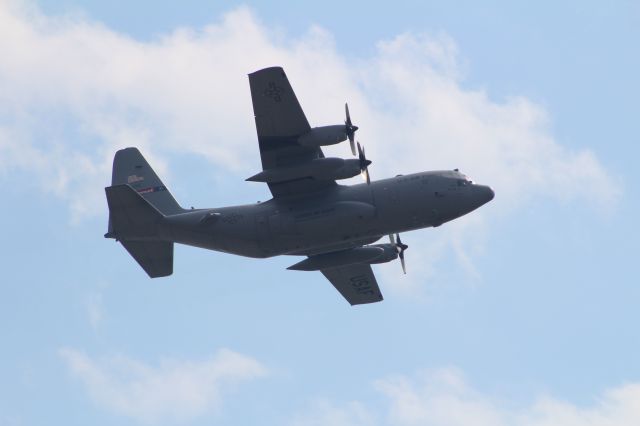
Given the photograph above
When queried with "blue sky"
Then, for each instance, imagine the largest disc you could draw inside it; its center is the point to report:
(523, 313)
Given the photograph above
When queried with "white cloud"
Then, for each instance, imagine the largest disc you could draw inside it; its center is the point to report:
(72, 91)
(172, 391)
(444, 398)
(95, 309)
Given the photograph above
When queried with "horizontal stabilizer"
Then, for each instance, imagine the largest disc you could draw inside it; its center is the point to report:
(134, 222)
(155, 257)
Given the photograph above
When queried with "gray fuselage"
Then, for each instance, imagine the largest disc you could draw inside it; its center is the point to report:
(335, 219)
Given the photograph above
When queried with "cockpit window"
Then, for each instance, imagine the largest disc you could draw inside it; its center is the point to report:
(461, 179)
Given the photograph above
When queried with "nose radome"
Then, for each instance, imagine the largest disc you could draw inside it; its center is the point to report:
(486, 193)
(490, 193)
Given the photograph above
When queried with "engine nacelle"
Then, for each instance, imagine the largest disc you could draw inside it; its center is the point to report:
(320, 168)
(390, 253)
(324, 135)
(377, 253)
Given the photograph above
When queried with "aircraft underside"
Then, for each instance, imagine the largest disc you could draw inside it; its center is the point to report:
(336, 227)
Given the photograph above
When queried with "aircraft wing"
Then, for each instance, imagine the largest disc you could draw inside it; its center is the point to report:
(280, 121)
(355, 282)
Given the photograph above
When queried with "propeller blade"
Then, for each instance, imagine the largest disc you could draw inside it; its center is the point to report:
(346, 113)
(349, 128)
(400, 248)
(366, 167)
(364, 164)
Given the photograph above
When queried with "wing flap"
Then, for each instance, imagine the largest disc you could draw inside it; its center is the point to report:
(355, 282)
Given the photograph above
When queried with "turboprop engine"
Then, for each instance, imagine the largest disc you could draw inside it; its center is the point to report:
(378, 253)
(319, 168)
(325, 135)
(331, 135)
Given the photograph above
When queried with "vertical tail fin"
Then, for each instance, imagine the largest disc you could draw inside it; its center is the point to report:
(131, 168)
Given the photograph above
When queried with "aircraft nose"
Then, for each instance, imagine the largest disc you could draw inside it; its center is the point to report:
(486, 193)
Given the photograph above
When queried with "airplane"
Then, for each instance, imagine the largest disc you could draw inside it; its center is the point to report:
(334, 226)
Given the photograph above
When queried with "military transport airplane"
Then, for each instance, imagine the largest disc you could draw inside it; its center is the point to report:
(334, 226)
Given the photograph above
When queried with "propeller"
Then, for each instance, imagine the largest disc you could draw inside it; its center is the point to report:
(400, 248)
(350, 129)
(364, 163)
